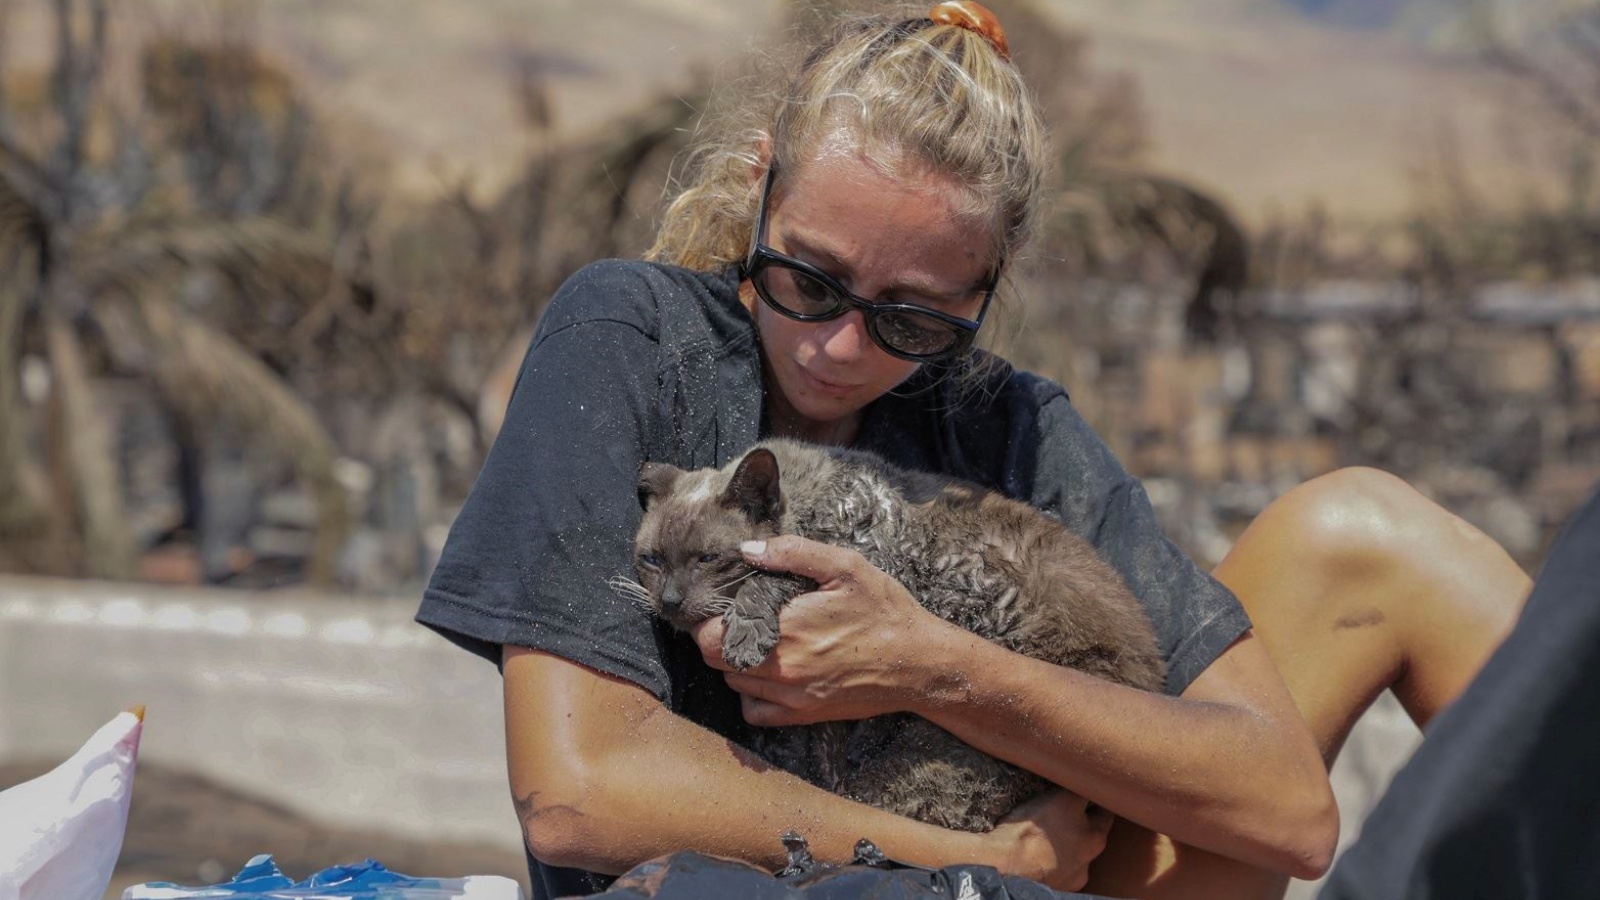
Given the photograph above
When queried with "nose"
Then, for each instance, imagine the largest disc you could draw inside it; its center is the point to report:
(671, 597)
(845, 339)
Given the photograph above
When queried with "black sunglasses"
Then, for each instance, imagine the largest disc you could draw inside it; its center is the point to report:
(805, 293)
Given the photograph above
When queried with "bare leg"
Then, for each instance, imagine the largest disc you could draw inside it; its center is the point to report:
(1357, 584)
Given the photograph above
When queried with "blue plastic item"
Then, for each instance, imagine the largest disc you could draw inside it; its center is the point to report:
(261, 879)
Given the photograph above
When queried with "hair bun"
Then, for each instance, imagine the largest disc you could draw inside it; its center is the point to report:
(975, 17)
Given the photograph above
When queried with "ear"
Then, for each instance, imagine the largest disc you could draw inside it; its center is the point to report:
(656, 481)
(754, 488)
(763, 157)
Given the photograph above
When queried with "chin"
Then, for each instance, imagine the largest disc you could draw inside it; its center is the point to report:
(828, 413)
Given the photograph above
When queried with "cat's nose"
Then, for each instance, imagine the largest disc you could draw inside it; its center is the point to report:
(671, 599)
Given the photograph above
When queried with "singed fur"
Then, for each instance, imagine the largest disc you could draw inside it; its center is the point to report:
(994, 566)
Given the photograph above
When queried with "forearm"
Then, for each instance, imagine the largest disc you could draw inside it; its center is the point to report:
(685, 788)
(605, 777)
(1240, 779)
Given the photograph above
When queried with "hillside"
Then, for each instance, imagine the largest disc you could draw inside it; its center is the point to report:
(1271, 106)
(1276, 110)
(1431, 20)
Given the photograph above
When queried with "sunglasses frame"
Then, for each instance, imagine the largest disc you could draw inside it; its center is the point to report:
(762, 257)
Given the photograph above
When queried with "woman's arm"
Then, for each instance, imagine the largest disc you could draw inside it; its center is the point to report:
(604, 777)
(1229, 766)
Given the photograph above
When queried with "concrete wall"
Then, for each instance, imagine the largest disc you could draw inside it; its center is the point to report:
(339, 707)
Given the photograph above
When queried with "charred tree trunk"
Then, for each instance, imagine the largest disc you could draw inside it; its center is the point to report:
(84, 453)
(22, 502)
(203, 375)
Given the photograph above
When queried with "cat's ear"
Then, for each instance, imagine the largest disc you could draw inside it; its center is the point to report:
(656, 481)
(754, 487)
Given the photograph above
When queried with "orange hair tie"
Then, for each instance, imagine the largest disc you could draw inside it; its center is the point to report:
(973, 17)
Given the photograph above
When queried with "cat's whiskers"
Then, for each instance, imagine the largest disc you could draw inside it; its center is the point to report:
(632, 591)
(728, 584)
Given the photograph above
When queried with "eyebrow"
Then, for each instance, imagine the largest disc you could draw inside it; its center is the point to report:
(799, 244)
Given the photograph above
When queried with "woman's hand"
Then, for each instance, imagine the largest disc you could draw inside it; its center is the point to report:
(1052, 839)
(851, 649)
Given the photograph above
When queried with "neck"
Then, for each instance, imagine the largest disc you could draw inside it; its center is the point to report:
(785, 423)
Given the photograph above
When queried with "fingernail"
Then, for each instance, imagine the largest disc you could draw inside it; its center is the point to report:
(753, 548)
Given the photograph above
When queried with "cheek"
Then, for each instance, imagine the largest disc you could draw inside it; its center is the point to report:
(891, 371)
(791, 342)
(779, 336)
(881, 372)
(649, 581)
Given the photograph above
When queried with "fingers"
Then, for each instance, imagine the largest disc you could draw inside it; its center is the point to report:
(822, 563)
(1056, 802)
(749, 685)
(1099, 821)
(767, 704)
(766, 714)
(708, 637)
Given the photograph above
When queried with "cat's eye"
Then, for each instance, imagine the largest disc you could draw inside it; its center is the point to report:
(708, 557)
(649, 560)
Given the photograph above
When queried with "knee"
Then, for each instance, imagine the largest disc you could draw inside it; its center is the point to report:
(1357, 516)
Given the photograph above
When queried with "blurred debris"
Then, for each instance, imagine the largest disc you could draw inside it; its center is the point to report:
(295, 378)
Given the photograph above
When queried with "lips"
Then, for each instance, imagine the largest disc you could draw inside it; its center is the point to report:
(822, 385)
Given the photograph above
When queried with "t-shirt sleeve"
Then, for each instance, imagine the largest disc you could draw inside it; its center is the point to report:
(552, 516)
(1195, 617)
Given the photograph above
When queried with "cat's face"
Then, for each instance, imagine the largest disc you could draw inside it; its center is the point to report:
(686, 553)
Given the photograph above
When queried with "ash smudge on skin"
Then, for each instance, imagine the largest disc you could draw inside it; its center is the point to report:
(1363, 619)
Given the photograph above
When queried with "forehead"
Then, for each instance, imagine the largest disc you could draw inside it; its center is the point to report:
(909, 222)
(698, 486)
(691, 516)
(840, 146)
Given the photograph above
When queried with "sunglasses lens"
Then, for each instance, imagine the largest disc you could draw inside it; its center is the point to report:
(914, 334)
(905, 332)
(796, 292)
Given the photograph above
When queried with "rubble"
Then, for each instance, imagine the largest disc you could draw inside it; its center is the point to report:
(1493, 413)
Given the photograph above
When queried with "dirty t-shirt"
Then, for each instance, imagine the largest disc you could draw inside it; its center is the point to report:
(637, 361)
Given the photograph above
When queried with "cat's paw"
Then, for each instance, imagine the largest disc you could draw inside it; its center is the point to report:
(746, 641)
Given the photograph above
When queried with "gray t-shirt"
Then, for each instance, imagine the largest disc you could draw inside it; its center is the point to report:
(636, 361)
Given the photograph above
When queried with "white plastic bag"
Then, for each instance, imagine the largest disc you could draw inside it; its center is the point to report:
(61, 833)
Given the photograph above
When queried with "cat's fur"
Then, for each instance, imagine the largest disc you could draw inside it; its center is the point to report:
(994, 566)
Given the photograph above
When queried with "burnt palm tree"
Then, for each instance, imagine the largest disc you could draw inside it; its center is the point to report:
(96, 246)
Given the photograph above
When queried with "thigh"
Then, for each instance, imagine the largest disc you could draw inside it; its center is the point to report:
(1334, 660)
(1355, 584)
(1139, 863)
(1327, 620)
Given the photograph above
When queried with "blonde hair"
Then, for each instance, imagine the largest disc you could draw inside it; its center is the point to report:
(908, 92)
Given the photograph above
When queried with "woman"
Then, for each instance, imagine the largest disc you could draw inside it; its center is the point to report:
(826, 276)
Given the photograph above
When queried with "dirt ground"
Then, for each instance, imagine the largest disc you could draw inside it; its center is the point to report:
(189, 830)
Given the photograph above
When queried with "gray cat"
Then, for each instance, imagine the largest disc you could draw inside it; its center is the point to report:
(994, 566)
